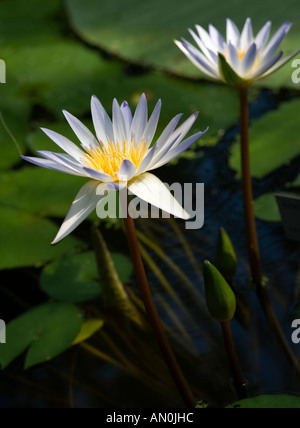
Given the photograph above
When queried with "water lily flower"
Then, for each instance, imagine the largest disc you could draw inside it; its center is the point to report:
(240, 59)
(120, 156)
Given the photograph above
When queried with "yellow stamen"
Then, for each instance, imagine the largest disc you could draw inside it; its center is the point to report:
(108, 159)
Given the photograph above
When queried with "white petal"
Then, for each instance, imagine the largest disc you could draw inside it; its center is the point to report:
(217, 38)
(267, 66)
(263, 36)
(84, 135)
(172, 154)
(212, 56)
(84, 203)
(98, 175)
(249, 60)
(152, 124)
(206, 39)
(234, 59)
(168, 130)
(233, 34)
(127, 116)
(140, 119)
(64, 160)
(102, 122)
(127, 170)
(247, 36)
(64, 144)
(198, 59)
(147, 160)
(54, 166)
(119, 128)
(280, 64)
(150, 189)
(275, 42)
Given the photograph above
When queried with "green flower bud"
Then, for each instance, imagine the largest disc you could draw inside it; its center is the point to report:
(220, 298)
(226, 260)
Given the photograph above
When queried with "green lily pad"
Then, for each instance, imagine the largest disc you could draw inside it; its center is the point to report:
(268, 402)
(144, 33)
(74, 278)
(273, 141)
(266, 208)
(25, 240)
(88, 329)
(39, 191)
(46, 331)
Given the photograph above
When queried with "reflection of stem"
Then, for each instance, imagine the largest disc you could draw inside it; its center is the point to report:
(239, 380)
(162, 340)
(252, 240)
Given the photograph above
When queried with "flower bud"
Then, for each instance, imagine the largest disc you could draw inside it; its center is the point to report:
(220, 298)
(226, 260)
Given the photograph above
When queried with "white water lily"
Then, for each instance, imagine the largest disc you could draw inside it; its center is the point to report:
(120, 156)
(242, 57)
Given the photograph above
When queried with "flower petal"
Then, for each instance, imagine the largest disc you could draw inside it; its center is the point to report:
(206, 39)
(127, 116)
(249, 60)
(139, 121)
(151, 127)
(126, 171)
(98, 175)
(49, 164)
(267, 66)
(276, 41)
(64, 144)
(247, 36)
(119, 127)
(263, 36)
(280, 64)
(84, 203)
(150, 189)
(172, 154)
(84, 135)
(217, 38)
(64, 160)
(234, 59)
(212, 56)
(102, 122)
(197, 58)
(168, 131)
(233, 34)
(147, 160)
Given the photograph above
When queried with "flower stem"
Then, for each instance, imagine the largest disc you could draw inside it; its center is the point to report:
(160, 335)
(252, 240)
(239, 380)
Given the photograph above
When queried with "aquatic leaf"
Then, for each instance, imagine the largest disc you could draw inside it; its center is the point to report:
(74, 278)
(88, 329)
(266, 208)
(145, 32)
(46, 331)
(271, 146)
(268, 402)
(25, 240)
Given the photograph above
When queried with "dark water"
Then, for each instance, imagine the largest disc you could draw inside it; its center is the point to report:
(81, 380)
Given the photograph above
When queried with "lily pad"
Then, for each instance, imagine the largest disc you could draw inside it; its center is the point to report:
(88, 329)
(74, 278)
(46, 331)
(268, 402)
(25, 240)
(143, 33)
(266, 208)
(271, 146)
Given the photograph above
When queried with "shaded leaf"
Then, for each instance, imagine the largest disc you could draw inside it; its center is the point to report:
(46, 331)
(88, 329)
(266, 208)
(271, 146)
(268, 402)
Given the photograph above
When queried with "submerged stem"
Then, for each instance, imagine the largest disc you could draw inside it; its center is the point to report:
(152, 313)
(239, 380)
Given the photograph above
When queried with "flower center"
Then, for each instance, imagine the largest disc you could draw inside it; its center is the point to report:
(108, 159)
